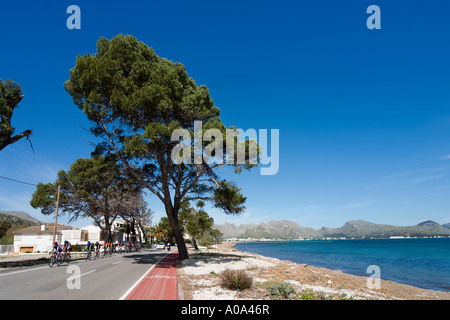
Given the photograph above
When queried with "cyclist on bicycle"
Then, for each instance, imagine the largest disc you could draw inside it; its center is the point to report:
(89, 246)
(97, 247)
(105, 248)
(56, 249)
(67, 247)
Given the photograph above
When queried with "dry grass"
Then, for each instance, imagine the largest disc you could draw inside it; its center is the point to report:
(235, 280)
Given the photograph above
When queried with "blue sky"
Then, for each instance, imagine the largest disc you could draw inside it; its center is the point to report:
(363, 115)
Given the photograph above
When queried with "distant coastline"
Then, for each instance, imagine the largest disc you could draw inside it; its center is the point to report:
(199, 279)
(354, 229)
(421, 262)
(238, 240)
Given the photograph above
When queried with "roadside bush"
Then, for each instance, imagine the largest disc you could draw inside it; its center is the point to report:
(77, 248)
(281, 290)
(236, 280)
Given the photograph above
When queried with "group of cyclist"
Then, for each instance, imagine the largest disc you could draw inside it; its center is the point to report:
(57, 250)
(109, 247)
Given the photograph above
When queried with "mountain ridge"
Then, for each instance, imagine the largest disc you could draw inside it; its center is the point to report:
(19, 215)
(286, 229)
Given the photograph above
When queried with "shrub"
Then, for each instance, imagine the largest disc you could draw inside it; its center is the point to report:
(308, 295)
(77, 248)
(281, 290)
(236, 280)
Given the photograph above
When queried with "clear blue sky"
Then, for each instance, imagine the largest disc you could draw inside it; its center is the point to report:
(364, 115)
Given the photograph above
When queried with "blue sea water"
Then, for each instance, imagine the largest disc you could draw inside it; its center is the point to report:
(421, 262)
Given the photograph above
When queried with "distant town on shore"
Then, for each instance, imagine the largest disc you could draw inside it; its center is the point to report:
(291, 230)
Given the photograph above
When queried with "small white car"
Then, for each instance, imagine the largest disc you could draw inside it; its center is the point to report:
(160, 246)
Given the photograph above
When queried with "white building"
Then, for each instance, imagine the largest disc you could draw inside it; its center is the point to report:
(39, 238)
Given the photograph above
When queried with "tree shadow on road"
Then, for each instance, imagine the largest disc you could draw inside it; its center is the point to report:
(153, 257)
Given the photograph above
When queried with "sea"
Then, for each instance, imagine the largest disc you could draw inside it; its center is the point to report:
(420, 262)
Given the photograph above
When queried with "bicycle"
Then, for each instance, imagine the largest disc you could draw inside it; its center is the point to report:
(88, 255)
(97, 254)
(55, 258)
(66, 257)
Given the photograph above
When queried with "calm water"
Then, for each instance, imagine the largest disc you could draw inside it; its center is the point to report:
(423, 263)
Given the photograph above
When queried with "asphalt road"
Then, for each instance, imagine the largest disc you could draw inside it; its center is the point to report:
(104, 279)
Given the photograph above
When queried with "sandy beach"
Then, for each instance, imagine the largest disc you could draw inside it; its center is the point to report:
(199, 277)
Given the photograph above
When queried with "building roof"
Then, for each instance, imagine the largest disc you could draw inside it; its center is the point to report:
(48, 229)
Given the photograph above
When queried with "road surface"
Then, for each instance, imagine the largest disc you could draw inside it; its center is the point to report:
(107, 278)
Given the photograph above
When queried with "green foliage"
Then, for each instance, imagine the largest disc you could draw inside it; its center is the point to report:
(10, 97)
(45, 198)
(281, 290)
(135, 100)
(93, 187)
(78, 248)
(87, 181)
(229, 198)
(199, 224)
(235, 280)
(165, 230)
(308, 295)
(8, 224)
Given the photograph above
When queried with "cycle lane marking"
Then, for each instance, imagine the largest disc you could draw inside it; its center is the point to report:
(140, 279)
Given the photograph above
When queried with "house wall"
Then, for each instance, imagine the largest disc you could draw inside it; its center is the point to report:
(73, 236)
(41, 241)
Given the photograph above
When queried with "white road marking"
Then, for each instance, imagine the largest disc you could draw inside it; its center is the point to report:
(28, 270)
(80, 275)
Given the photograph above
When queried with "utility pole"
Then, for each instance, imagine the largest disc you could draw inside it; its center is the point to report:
(56, 216)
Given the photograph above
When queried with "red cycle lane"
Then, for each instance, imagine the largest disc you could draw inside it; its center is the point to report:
(160, 283)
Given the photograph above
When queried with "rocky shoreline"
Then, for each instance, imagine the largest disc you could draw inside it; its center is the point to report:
(199, 277)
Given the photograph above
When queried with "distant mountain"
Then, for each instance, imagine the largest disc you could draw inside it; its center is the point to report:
(364, 229)
(285, 229)
(13, 215)
(13, 220)
(280, 229)
(231, 230)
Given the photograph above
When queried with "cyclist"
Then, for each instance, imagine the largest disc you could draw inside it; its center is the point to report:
(56, 249)
(105, 248)
(67, 247)
(97, 247)
(89, 246)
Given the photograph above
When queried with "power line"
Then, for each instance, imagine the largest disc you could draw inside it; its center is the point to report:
(18, 181)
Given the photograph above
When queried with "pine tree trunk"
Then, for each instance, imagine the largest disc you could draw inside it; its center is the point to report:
(173, 219)
(194, 243)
